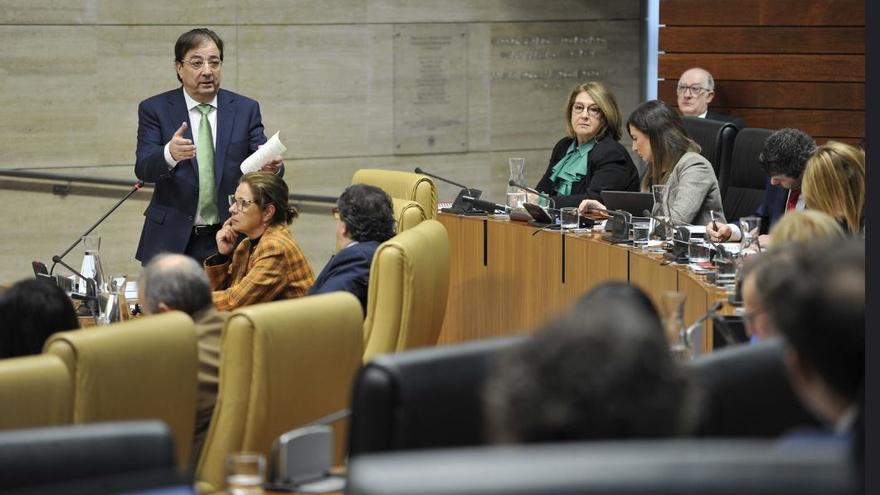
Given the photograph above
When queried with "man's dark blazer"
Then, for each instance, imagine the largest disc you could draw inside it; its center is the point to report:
(773, 206)
(169, 217)
(348, 270)
(609, 167)
(738, 122)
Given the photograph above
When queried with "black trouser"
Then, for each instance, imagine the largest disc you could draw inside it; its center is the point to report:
(202, 242)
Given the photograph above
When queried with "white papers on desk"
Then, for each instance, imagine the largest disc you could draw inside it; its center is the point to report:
(263, 155)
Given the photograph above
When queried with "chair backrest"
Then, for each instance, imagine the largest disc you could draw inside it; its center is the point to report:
(105, 457)
(409, 284)
(424, 398)
(144, 368)
(283, 364)
(716, 140)
(745, 181)
(746, 393)
(407, 213)
(34, 391)
(685, 467)
(403, 185)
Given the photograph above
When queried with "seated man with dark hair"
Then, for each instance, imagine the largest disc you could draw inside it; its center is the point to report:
(606, 376)
(30, 311)
(176, 282)
(784, 159)
(364, 219)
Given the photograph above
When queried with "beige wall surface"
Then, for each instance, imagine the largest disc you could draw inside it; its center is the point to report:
(73, 72)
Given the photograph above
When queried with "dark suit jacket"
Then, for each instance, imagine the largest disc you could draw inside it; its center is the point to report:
(609, 167)
(348, 270)
(170, 215)
(773, 206)
(738, 122)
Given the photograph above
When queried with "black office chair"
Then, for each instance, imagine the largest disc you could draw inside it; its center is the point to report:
(89, 458)
(716, 140)
(744, 180)
(683, 467)
(424, 398)
(746, 393)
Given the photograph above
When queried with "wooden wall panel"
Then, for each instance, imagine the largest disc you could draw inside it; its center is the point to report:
(712, 39)
(763, 13)
(779, 94)
(776, 63)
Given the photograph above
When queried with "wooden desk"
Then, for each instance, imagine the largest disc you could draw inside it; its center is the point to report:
(507, 279)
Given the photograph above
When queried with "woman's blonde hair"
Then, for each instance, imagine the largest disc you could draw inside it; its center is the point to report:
(606, 102)
(806, 226)
(834, 182)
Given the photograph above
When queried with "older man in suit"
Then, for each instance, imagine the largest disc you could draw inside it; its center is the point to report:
(191, 142)
(695, 90)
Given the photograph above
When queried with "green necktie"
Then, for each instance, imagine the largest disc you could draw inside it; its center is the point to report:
(205, 159)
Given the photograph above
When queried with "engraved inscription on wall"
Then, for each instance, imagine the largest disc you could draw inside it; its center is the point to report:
(535, 65)
(430, 88)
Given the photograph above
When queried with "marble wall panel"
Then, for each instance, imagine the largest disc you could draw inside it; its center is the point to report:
(302, 11)
(498, 10)
(45, 12)
(535, 65)
(134, 63)
(192, 13)
(327, 88)
(48, 96)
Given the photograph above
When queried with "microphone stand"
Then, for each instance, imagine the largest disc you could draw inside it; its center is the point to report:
(91, 297)
(689, 331)
(57, 259)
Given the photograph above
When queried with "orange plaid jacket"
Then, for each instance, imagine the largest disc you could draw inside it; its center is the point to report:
(275, 269)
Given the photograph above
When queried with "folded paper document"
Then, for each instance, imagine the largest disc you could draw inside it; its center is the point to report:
(263, 155)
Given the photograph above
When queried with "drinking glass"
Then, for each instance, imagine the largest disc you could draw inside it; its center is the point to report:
(515, 199)
(751, 228)
(698, 251)
(672, 312)
(569, 218)
(641, 230)
(245, 473)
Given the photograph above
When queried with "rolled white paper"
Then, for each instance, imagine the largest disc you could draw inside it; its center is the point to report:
(263, 155)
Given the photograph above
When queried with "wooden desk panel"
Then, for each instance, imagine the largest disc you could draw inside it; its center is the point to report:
(504, 280)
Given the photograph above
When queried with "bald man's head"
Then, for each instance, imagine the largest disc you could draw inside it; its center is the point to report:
(695, 90)
(174, 281)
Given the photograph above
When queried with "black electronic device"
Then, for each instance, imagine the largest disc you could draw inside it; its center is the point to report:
(460, 205)
(541, 218)
(633, 202)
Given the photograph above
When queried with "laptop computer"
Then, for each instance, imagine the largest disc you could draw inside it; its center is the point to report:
(630, 201)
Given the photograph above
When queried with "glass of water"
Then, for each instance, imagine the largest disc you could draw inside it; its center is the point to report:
(245, 473)
(698, 251)
(569, 218)
(641, 230)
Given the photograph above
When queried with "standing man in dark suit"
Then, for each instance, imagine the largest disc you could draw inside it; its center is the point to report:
(191, 142)
(695, 90)
(364, 219)
(783, 159)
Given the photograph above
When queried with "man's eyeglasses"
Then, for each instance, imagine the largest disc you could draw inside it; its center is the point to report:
(241, 204)
(335, 212)
(694, 90)
(592, 110)
(198, 63)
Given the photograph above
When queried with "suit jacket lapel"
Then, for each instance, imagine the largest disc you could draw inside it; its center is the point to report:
(225, 121)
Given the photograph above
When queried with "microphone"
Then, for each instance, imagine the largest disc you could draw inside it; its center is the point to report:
(513, 183)
(485, 205)
(419, 170)
(57, 259)
(710, 313)
(666, 223)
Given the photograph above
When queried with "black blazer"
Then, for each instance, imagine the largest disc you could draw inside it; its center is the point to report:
(609, 167)
(348, 270)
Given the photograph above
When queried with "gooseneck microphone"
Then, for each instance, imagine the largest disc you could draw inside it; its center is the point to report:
(57, 258)
(419, 170)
